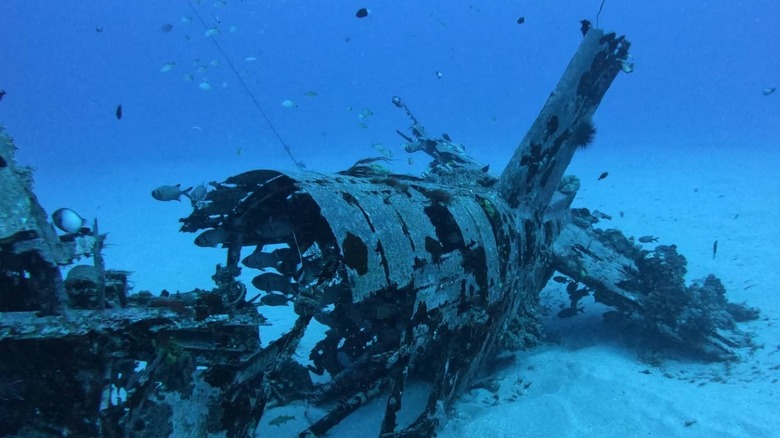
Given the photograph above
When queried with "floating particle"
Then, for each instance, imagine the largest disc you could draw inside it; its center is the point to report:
(250, 59)
(214, 63)
(439, 74)
(233, 29)
(118, 112)
(167, 27)
(212, 31)
(287, 103)
(311, 93)
(168, 66)
(362, 13)
(205, 86)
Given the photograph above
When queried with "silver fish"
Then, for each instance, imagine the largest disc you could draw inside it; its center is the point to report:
(272, 299)
(270, 281)
(260, 260)
(68, 220)
(212, 238)
(170, 193)
(198, 194)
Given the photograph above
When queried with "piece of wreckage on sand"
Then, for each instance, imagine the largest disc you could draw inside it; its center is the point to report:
(400, 287)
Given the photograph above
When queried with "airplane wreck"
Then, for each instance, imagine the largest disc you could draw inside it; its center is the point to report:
(401, 280)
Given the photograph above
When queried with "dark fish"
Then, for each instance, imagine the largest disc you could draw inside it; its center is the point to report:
(601, 215)
(274, 300)
(560, 279)
(269, 282)
(584, 26)
(362, 13)
(714, 248)
(119, 112)
(446, 137)
(167, 27)
(170, 193)
(603, 175)
(99, 29)
(570, 311)
(3, 163)
(261, 260)
(2, 94)
(278, 230)
(212, 238)
(521, 20)
(648, 239)
(278, 421)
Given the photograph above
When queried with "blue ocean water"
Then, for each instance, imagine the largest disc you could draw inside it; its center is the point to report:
(696, 95)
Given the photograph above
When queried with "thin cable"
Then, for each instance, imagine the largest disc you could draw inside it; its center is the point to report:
(287, 149)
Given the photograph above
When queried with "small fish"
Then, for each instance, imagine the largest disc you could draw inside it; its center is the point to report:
(212, 31)
(287, 103)
(198, 194)
(250, 59)
(185, 19)
(214, 63)
(310, 94)
(363, 125)
(439, 74)
(170, 193)
(362, 13)
(768, 91)
(233, 29)
(273, 299)
(68, 221)
(601, 215)
(570, 311)
(99, 29)
(212, 238)
(189, 77)
(560, 279)
(714, 249)
(167, 27)
(118, 112)
(261, 260)
(521, 20)
(270, 281)
(648, 239)
(278, 421)
(168, 66)
(603, 175)
(205, 86)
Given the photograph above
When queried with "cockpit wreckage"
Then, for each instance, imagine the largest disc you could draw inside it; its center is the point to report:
(396, 283)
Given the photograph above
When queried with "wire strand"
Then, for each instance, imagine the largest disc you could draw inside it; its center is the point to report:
(251, 95)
